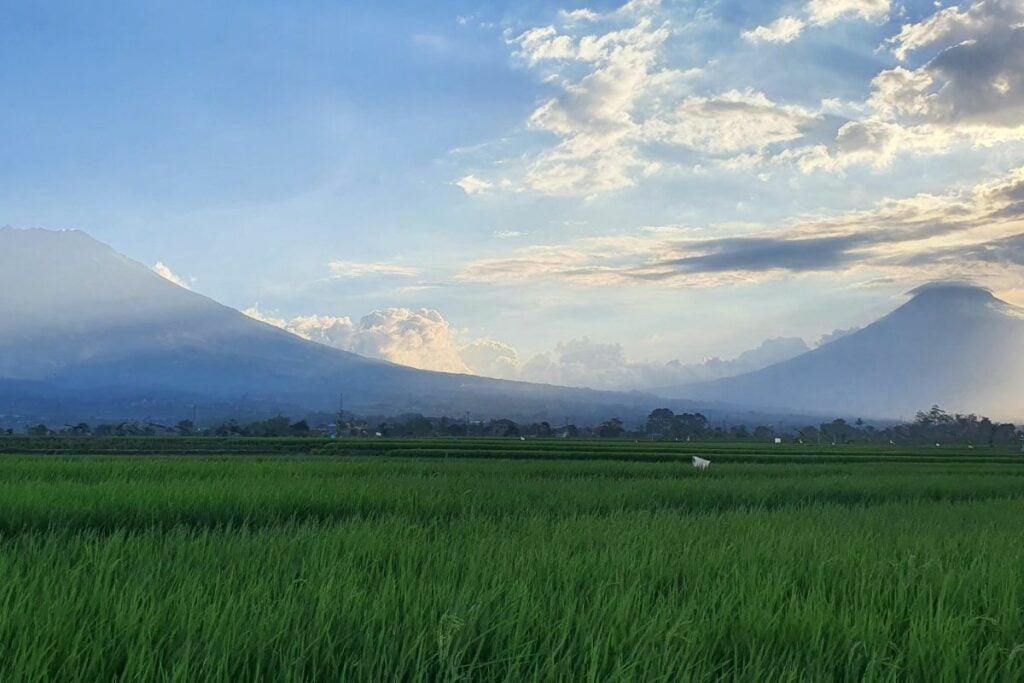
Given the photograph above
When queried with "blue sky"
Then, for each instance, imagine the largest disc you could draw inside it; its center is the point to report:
(669, 180)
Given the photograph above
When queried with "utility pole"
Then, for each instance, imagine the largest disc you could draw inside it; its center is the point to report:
(341, 412)
(467, 424)
(193, 407)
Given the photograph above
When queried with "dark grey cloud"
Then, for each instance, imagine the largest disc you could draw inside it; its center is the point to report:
(796, 254)
(762, 253)
(1005, 251)
(982, 80)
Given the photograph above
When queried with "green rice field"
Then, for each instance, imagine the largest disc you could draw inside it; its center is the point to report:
(485, 560)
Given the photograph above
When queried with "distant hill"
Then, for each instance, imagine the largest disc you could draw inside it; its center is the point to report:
(87, 333)
(952, 344)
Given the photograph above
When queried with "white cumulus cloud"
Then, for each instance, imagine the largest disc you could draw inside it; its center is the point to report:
(828, 11)
(470, 184)
(420, 338)
(164, 271)
(733, 121)
(425, 339)
(782, 30)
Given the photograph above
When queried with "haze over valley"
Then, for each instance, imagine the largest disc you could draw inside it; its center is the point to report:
(100, 328)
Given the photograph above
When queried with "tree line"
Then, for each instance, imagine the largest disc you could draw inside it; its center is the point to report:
(934, 425)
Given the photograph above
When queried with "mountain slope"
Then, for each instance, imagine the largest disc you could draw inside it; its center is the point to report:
(952, 344)
(83, 325)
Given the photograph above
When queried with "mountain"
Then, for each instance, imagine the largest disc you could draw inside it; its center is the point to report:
(88, 333)
(951, 344)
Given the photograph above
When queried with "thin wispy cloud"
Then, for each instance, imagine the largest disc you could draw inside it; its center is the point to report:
(980, 224)
(343, 270)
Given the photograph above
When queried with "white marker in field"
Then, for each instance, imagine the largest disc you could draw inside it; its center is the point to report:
(700, 463)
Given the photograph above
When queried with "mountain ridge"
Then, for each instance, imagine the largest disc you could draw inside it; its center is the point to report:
(97, 323)
(953, 344)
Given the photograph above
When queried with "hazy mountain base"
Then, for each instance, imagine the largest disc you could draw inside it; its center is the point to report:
(952, 344)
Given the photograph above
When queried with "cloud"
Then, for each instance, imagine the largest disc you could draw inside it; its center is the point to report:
(954, 25)
(255, 313)
(868, 142)
(610, 81)
(832, 336)
(491, 358)
(623, 111)
(543, 43)
(760, 254)
(786, 29)
(165, 272)
(824, 12)
(595, 117)
(470, 184)
(425, 339)
(969, 94)
(586, 363)
(420, 338)
(620, 109)
(782, 30)
(578, 15)
(977, 82)
(895, 237)
(733, 121)
(343, 270)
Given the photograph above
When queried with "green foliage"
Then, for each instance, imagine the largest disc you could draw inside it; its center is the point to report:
(879, 567)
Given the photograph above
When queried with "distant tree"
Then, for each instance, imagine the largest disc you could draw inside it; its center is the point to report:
(689, 426)
(229, 428)
(936, 416)
(273, 427)
(763, 433)
(416, 425)
(300, 428)
(809, 434)
(504, 428)
(543, 430)
(659, 422)
(610, 429)
(38, 430)
(185, 427)
(1004, 434)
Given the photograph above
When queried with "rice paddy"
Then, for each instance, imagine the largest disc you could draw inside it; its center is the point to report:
(482, 562)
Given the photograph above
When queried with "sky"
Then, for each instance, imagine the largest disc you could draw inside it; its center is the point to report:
(599, 193)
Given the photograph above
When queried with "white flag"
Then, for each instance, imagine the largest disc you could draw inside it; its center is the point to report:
(700, 463)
